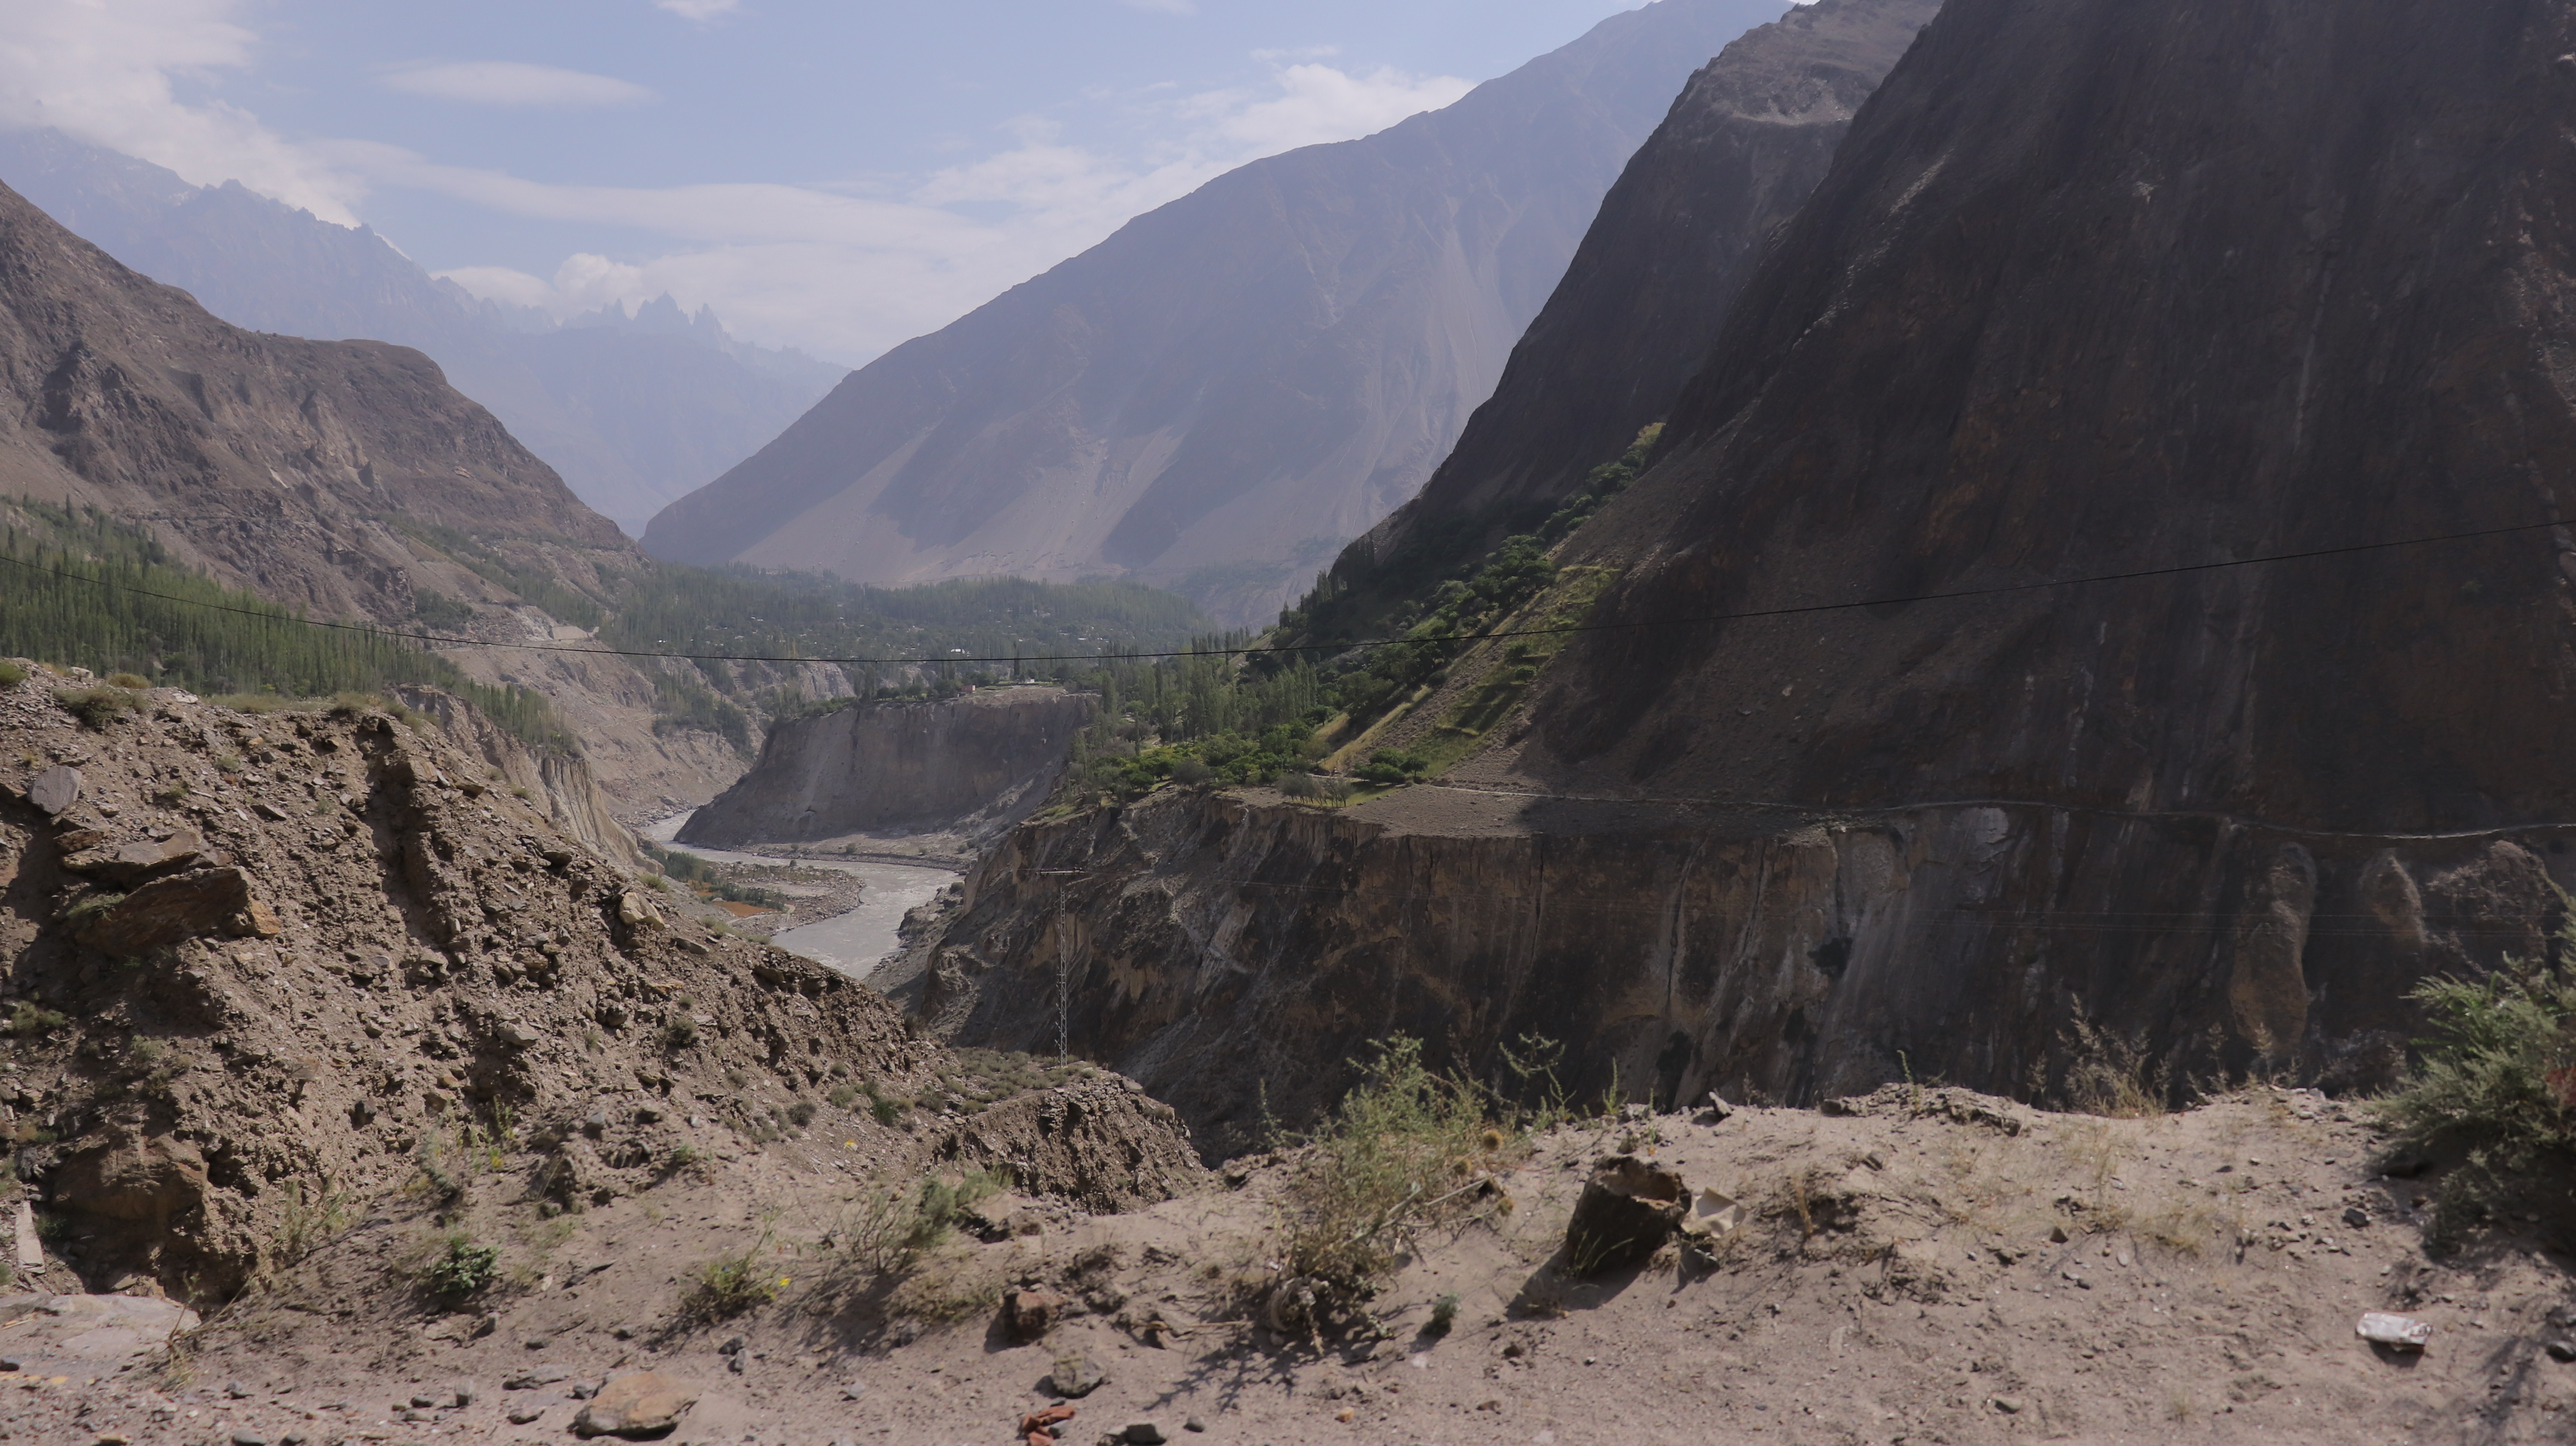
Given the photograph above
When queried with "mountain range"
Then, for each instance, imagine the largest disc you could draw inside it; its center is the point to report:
(631, 410)
(1225, 390)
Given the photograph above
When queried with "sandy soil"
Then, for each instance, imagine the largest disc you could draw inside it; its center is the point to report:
(1902, 1278)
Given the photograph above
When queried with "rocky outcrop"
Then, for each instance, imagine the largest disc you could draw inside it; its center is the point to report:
(572, 795)
(1750, 138)
(368, 955)
(971, 764)
(1235, 383)
(1234, 956)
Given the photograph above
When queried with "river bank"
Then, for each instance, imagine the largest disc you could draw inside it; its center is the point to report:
(852, 943)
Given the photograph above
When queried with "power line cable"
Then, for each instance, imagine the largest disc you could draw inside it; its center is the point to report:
(1746, 615)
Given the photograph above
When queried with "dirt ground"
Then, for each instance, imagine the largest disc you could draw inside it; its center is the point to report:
(1920, 1267)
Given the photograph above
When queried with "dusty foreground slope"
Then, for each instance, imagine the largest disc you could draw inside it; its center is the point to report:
(1901, 1278)
(266, 975)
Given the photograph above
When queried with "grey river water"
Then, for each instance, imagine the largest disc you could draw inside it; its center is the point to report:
(853, 943)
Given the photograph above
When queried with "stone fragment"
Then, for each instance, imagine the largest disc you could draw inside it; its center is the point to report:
(533, 1377)
(1712, 1215)
(1075, 1375)
(2561, 1350)
(2398, 1332)
(128, 864)
(1194, 1424)
(1144, 1433)
(1713, 1110)
(634, 1405)
(1030, 1314)
(2009, 1405)
(55, 790)
(637, 912)
(522, 1415)
(2356, 1217)
(167, 911)
(1628, 1209)
(1038, 1428)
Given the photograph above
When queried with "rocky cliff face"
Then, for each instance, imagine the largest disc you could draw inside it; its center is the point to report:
(2093, 289)
(1677, 237)
(1233, 955)
(1239, 380)
(972, 764)
(259, 970)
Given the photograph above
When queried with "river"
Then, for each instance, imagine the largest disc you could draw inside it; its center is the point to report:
(854, 943)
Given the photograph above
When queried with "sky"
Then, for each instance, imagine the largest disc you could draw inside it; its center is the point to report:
(836, 175)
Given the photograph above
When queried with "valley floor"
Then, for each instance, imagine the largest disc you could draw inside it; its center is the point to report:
(1918, 1266)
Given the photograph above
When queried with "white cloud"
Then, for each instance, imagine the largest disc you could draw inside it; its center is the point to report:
(701, 11)
(103, 71)
(512, 83)
(850, 275)
(1318, 103)
(842, 271)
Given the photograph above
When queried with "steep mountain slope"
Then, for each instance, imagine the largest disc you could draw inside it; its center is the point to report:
(1235, 381)
(2093, 289)
(632, 412)
(343, 478)
(1676, 240)
(278, 464)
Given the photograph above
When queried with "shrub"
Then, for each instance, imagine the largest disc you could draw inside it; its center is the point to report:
(26, 1018)
(883, 1110)
(11, 675)
(891, 1226)
(678, 1033)
(97, 706)
(1192, 772)
(1407, 1150)
(461, 1270)
(732, 1285)
(2496, 1089)
(1389, 768)
(128, 680)
(842, 1097)
(801, 1113)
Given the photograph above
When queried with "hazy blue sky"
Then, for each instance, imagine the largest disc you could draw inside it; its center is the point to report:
(831, 174)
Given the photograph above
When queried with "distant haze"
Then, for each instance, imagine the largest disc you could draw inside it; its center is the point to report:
(1222, 392)
(632, 409)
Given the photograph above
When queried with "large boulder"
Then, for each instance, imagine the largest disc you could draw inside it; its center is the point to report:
(167, 911)
(643, 1404)
(1628, 1209)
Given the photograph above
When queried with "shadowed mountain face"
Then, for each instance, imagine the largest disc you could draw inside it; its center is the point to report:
(2093, 289)
(1234, 382)
(280, 464)
(1677, 237)
(631, 411)
(2100, 287)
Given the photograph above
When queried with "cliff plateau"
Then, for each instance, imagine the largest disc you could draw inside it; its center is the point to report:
(973, 764)
(1854, 779)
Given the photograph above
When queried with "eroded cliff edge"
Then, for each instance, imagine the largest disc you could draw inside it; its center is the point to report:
(1674, 951)
(973, 764)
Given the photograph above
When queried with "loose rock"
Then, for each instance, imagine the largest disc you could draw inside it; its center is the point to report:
(1075, 1375)
(1628, 1209)
(634, 1405)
